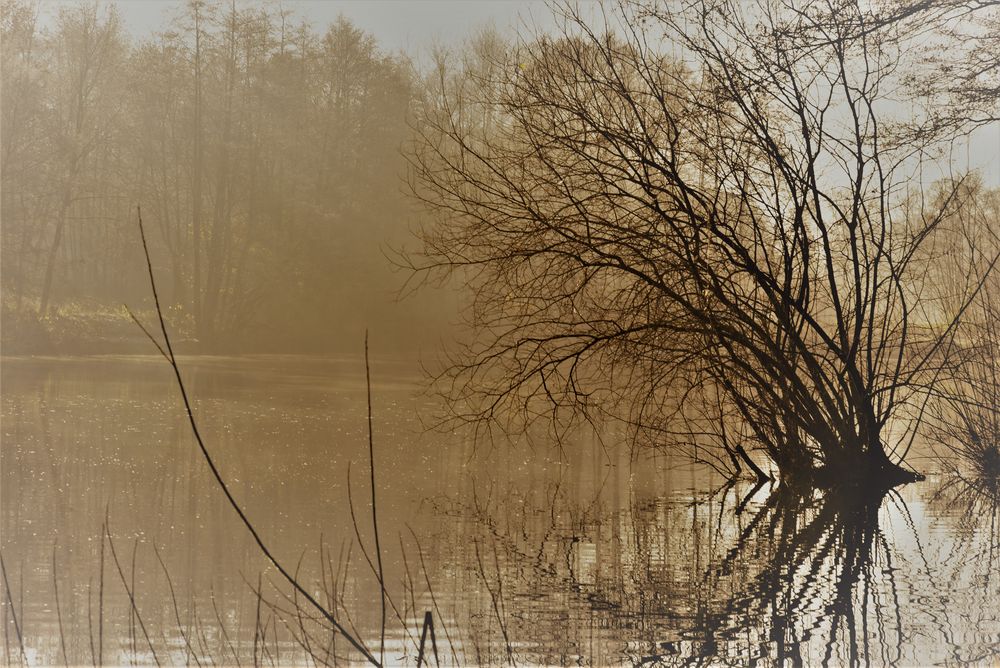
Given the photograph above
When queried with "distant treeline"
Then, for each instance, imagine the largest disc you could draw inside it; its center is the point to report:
(264, 152)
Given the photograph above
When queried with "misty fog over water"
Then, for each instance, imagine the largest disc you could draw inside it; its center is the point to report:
(499, 333)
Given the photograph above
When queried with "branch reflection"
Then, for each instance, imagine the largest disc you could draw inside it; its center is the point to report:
(739, 576)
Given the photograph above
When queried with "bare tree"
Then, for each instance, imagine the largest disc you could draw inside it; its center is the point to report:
(964, 420)
(266, 153)
(88, 48)
(707, 206)
(23, 97)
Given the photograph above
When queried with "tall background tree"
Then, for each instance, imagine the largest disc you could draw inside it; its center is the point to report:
(264, 153)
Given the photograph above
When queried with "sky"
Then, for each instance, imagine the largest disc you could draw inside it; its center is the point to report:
(413, 26)
(398, 25)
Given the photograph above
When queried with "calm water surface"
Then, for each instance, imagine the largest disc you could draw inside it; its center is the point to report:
(524, 553)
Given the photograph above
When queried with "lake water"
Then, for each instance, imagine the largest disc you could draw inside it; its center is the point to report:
(524, 553)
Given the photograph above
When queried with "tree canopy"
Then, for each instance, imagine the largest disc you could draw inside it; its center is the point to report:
(264, 153)
(711, 217)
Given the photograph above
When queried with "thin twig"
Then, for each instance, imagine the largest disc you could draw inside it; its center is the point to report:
(55, 586)
(13, 612)
(6, 637)
(256, 630)
(264, 650)
(177, 612)
(172, 359)
(430, 590)
(409, 606)
(90, 618)
(364, 552)
(199, 633)
(131, 615)
(298, 614)
(222, 627)
(329, 594)
(371, 467)
(130, 592)
(100, 600)
(497, 604)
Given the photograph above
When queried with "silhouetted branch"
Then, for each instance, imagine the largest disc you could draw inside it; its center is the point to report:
(215, 471)
(130, 592)
(371, 468)
(55, 587)
(13, 612)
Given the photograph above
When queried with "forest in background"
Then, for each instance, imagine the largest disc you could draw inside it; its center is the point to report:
(264, 152)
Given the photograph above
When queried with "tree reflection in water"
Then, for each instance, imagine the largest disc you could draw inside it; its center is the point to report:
(968, 560)
(521, 556)
(805, 574)
(735, 577)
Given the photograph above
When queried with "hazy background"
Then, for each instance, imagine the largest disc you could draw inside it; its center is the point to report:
(264, 143)
(397, 24)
